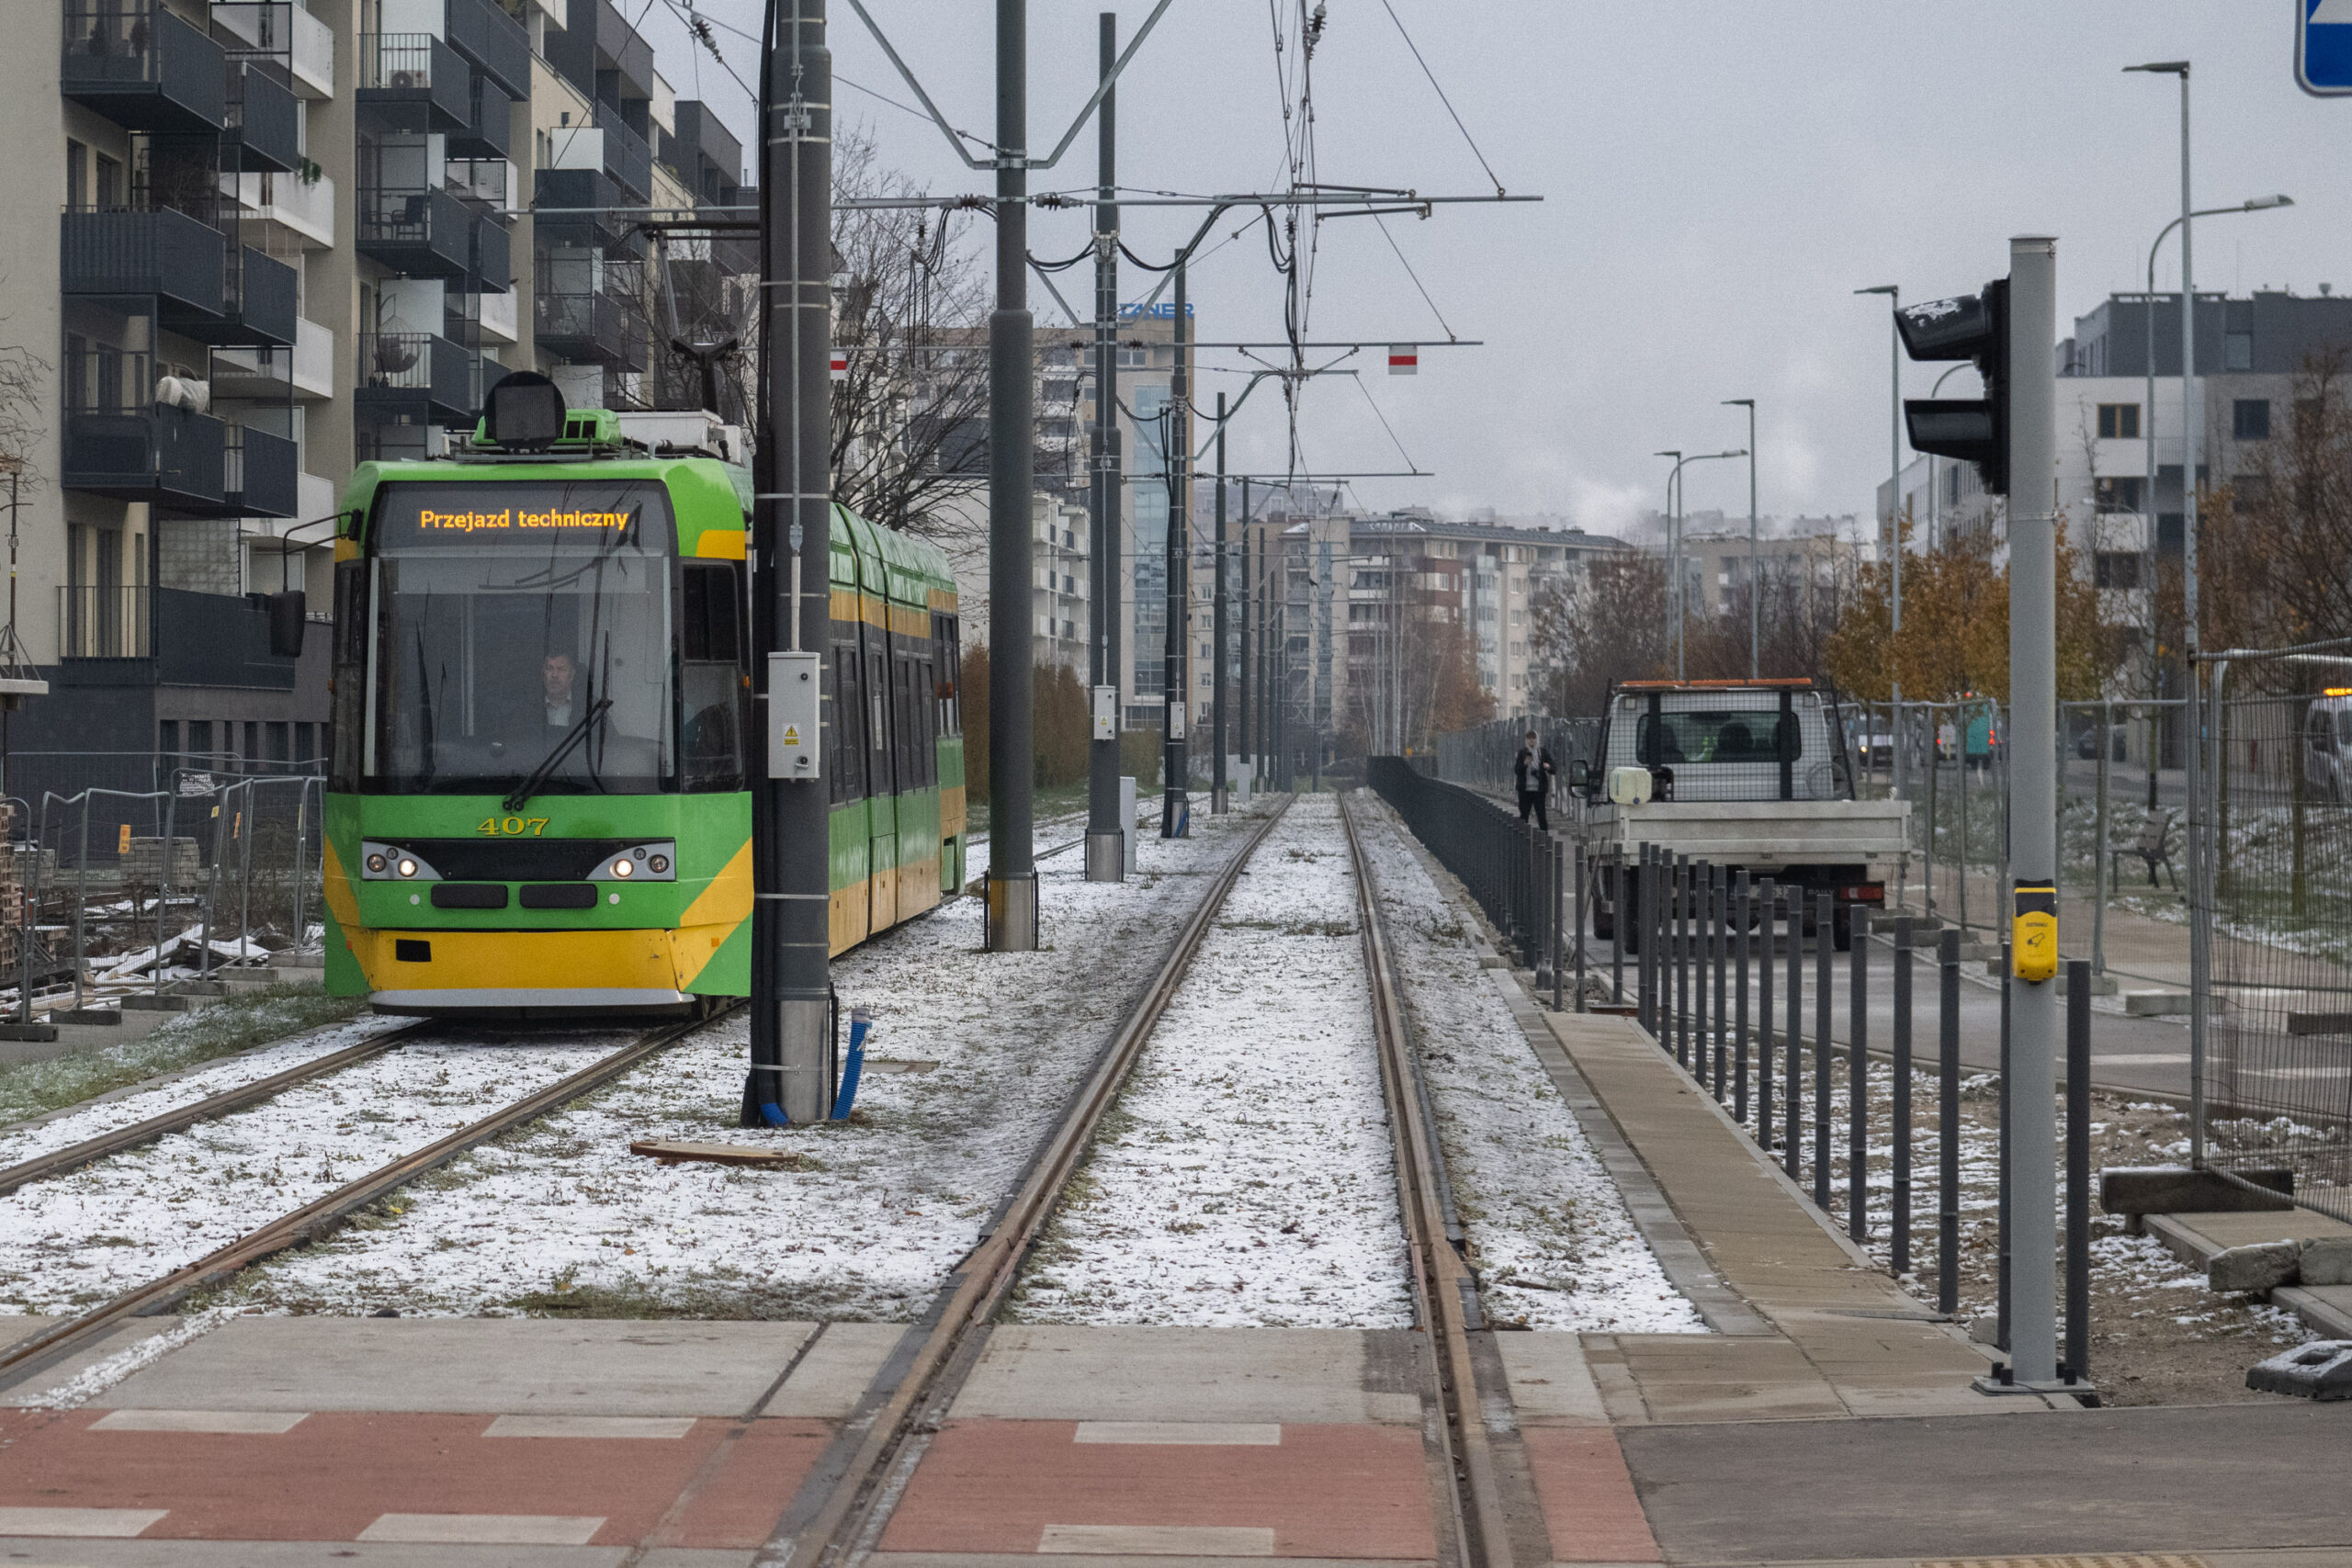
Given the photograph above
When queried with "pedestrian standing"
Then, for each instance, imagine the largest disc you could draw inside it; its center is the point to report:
(1533, 769)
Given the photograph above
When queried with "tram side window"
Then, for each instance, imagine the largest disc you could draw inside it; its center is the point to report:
(710, 679)
(347, 704)
(849, 709)
(927, 724)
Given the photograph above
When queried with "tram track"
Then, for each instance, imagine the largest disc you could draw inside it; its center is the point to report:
(35, 1352)
(845, 1504)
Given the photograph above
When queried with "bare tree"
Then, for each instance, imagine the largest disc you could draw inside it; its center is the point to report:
(24, 393)
(1605, 624)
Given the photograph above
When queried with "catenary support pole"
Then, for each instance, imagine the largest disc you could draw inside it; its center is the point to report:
(1175, 696)
(1220, 673)
(1247, 740)
(2033, 786)
(1106, 835)
(1013, 440)
(791, 557)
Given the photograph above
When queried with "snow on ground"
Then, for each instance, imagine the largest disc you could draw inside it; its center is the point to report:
(1245, 1176)
(561, 1216)
(68, 1243)
(1554, 1245)
(29, 1139)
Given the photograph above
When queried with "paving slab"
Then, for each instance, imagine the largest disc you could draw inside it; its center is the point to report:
(32, 1551)
(835, 1369)
(42, 1383)
(2182, 1479)
(1551, 1380)
(495, 1366)
(1860, 1344)
(1054, 1372)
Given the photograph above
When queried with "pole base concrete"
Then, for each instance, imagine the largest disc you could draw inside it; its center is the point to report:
(806, 1036)
(1106, 857)
(1994, 1385)
(1013, 914)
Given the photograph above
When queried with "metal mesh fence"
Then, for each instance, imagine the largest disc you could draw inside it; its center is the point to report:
(2279, 1052)
(1481, 758)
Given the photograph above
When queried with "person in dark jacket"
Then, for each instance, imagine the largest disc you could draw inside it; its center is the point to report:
(1533, 769)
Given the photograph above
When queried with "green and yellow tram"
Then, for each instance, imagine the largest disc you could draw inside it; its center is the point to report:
(539, 797)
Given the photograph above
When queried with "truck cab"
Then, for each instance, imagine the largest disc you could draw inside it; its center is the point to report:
(1750, 775)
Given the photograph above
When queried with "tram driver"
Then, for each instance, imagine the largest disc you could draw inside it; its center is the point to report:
(557, 673)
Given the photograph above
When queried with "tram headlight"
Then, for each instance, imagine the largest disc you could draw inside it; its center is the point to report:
(407, 866)
(624, 867)
(376, 864)
(659, 865)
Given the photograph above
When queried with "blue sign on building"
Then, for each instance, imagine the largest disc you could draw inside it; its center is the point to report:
(2324, 47)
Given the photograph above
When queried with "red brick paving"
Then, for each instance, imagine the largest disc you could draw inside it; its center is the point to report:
(1326, 1491)
(331, 1475)
(1587, 1498)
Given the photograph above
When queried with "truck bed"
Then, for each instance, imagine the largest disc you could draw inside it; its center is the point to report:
(1760, 835)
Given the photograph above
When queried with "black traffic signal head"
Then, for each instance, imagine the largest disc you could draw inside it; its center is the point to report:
(1976, 430)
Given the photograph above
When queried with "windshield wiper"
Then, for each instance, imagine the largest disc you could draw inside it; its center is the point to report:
(554, 759)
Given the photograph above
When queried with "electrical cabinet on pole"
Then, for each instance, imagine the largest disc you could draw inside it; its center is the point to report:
(1013, 412)
(1106, 835)
(1178, 461)
(791, 550)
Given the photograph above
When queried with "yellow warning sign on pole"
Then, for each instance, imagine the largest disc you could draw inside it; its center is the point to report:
(122, 841)
(792, 735)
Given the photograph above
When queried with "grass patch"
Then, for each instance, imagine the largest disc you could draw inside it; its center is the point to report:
(229, 1025)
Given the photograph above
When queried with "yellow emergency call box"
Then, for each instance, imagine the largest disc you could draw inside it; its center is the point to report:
(2033, 931)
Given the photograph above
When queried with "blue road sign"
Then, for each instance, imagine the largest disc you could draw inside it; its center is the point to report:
(2324, 47)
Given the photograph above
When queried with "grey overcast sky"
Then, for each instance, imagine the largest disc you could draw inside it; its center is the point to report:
(1717, 178)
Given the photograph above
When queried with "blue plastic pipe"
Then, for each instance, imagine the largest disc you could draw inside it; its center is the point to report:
(860, 1020)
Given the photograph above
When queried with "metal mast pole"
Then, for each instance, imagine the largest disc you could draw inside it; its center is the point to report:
(1216, 621)
(1106, 835)
(1244, 738)
(2033, 796)
(1012, 870)
(792, 551)
(2193, 412)
(1173, 696)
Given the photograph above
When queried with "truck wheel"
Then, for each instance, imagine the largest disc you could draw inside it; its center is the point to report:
(1842, 930)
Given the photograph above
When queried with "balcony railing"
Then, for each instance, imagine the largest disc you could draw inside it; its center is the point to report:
(306, 208)
(285, 30)
(265, 121)
(261, 295)
(261, 474)
(494, 41)
(586, 197)
(489, 129)
(112, 622)
(627, 157)
(168, 457)
(425, 233)
(421, 374)
(579, 328)
(307, 369)
(141, 67)
(414, 81)
(163, 252)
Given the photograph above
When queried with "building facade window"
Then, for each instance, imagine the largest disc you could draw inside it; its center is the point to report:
(2237, 351)
(2118, 421)
(2116, 569)
(2118, 495)
(2250, 419)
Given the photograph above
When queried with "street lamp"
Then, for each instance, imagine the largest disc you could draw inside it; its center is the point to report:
(1754, 582)
(1674, 521)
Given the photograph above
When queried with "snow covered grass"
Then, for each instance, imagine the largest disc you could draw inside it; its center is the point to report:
(227, 1027)
(560, 1217)
(1548, 1231)
(1245, 1178)
(68, 1243)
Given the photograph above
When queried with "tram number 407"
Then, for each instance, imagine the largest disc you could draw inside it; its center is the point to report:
(512, 827)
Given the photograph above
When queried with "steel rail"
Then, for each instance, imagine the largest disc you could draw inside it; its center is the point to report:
(857, 1501)
(1444, 1288)
(320, 1215)
(74, 1156)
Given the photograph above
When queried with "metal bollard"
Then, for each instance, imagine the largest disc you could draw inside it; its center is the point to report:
(1681, 999)
(1720, 895)
(1618, 931)
(2078, 1166)
(1899, 1236)
(1766, 926)
(1857, 1089)
(1824, 914)
(1742, 910)
(1583, 869)
(1552, 906)
(1948, 1123)
(1792, 1141)
(1634, 924)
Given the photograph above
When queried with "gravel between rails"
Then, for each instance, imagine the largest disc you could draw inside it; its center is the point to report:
(560, 1218)
(1245, 1176)
(1546, 1228)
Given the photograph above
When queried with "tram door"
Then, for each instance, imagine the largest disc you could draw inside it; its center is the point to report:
(883, 782)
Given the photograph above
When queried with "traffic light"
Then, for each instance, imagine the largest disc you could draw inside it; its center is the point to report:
(1976, 430)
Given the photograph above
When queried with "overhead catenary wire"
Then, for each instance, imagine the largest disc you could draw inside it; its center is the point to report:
(1442, 323)
(1442, 98)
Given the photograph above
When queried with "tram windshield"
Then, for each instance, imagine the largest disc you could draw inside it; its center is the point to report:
(521, 634)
